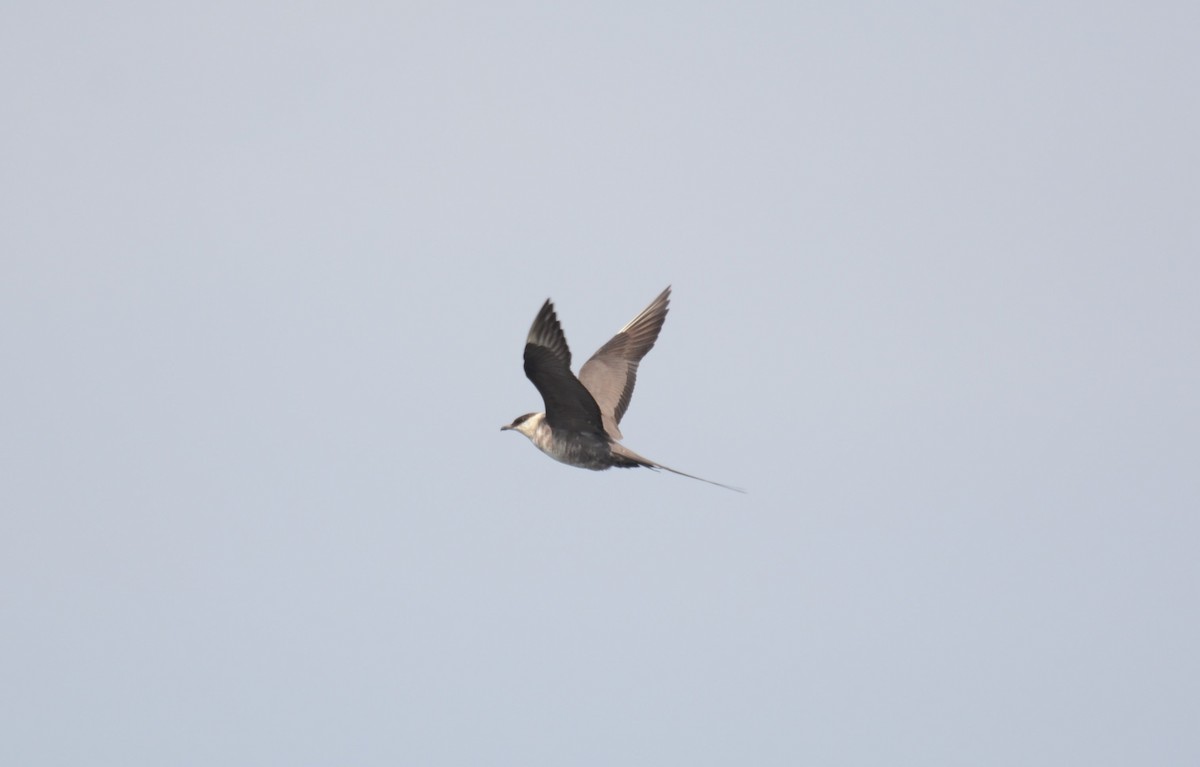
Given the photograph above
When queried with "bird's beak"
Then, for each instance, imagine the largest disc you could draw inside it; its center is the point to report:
(506, 427)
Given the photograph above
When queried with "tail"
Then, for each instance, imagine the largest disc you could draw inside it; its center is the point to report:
(638, 460)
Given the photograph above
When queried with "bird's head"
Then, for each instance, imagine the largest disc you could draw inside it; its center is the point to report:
(526, 424)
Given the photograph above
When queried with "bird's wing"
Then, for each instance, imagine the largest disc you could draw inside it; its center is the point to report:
(612, 371)
(548, 365)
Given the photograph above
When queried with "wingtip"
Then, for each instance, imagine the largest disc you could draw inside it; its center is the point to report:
(546, 318)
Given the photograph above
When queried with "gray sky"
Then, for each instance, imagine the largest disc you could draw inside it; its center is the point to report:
(266, 276)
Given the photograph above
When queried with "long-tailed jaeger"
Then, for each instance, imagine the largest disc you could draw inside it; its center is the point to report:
(579, 427)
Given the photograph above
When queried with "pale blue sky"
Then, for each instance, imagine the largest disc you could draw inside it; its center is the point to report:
(265, 276)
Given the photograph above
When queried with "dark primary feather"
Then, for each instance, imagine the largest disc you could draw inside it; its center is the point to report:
(611, 373)
(548, 365)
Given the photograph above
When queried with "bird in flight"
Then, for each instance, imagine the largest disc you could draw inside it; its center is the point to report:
(580, 425)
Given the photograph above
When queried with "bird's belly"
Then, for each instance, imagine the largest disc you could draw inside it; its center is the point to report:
(583, 451)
